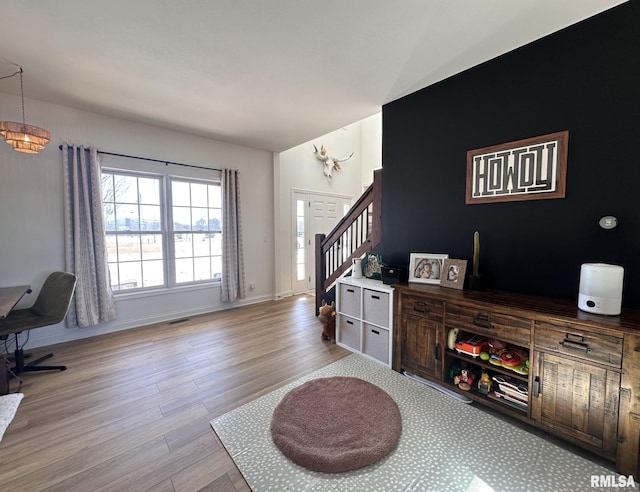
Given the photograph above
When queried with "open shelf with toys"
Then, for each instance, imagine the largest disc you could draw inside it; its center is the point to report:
(488, 369)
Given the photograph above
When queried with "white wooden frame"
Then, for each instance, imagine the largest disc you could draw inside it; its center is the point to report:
(417, 261)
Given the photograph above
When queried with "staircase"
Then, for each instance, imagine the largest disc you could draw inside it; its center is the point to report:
(355, 235)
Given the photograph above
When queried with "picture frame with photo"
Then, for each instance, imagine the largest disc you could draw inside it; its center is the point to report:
(426, 268)
(453, 273)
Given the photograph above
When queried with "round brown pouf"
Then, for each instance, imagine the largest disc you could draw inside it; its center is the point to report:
(336, 424)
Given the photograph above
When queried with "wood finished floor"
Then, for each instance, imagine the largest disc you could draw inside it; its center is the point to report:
(132, 411)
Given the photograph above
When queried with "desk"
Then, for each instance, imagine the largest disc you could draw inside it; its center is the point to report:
(9, 297)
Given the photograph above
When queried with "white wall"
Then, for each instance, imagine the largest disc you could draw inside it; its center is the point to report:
(371, 148)
(298, 169)
(31, 215)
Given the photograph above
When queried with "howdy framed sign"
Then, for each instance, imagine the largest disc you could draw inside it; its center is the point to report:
(530, 169)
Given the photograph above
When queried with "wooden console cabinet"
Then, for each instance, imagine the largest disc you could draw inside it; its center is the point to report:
(582, 379)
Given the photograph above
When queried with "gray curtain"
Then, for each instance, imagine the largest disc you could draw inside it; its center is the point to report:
(232, 249)
(85, 245)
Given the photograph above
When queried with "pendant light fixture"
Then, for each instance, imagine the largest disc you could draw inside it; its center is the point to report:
(22, 137)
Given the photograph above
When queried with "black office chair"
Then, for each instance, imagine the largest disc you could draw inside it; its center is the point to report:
(50, 308)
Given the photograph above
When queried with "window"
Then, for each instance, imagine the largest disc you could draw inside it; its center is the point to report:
(197, 230)
(161, 231)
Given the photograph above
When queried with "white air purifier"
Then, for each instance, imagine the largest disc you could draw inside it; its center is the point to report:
(600, 288)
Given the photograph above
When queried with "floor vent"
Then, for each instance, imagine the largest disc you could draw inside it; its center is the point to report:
(176, 321)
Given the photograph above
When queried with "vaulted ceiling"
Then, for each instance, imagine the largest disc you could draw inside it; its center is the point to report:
(267, 74)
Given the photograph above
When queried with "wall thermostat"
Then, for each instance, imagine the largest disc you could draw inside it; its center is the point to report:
(608, 222)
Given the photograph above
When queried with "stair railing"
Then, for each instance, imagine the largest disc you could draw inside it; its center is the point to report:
(355, 235)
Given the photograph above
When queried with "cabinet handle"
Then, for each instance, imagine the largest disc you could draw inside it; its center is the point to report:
(375, 297)
(349, 322)
(569, 344)
(483, 321)
(374, 331)
(437, 351)
(421, 310)
(574, 338)
(350, 290)
(536, 386)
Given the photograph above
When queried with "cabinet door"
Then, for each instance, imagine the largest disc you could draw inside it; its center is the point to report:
(628, 456)
(577, 399)
(421, 350)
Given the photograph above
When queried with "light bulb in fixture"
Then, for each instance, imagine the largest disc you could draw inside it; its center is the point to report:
(24, 138)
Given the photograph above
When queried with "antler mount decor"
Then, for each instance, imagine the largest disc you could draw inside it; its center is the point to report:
(329, 162)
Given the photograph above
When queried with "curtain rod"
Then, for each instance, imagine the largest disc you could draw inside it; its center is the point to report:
(166, 163)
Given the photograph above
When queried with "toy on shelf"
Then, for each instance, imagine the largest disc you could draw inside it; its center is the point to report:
(484, 383)
(496, 345)
(514, 359)
(452, 337)
(472, 345)
(465, 380)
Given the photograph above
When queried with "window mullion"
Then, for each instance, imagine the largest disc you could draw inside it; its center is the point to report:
(168, 232)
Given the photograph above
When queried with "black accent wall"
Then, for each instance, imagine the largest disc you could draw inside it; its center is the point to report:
(584, 79)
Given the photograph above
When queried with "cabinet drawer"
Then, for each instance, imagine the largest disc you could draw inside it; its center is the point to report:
(375, 342)
(349, 302)
(422, 307)
(574, 340)
(375, 308)
(501, 326)
(348, 332)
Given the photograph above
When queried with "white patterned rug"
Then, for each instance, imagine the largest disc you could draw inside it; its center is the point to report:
(8, 408)
(446, 445)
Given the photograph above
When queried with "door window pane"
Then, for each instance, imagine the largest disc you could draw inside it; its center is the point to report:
(301, 250)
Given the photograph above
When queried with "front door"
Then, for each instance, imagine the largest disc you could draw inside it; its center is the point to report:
(313, 214)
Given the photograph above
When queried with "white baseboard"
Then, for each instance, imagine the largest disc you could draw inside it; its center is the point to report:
(60, 334)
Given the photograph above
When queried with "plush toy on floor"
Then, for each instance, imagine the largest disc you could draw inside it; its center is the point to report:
(327, 317)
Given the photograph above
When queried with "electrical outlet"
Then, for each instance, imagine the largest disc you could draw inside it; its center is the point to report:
(252, 285)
